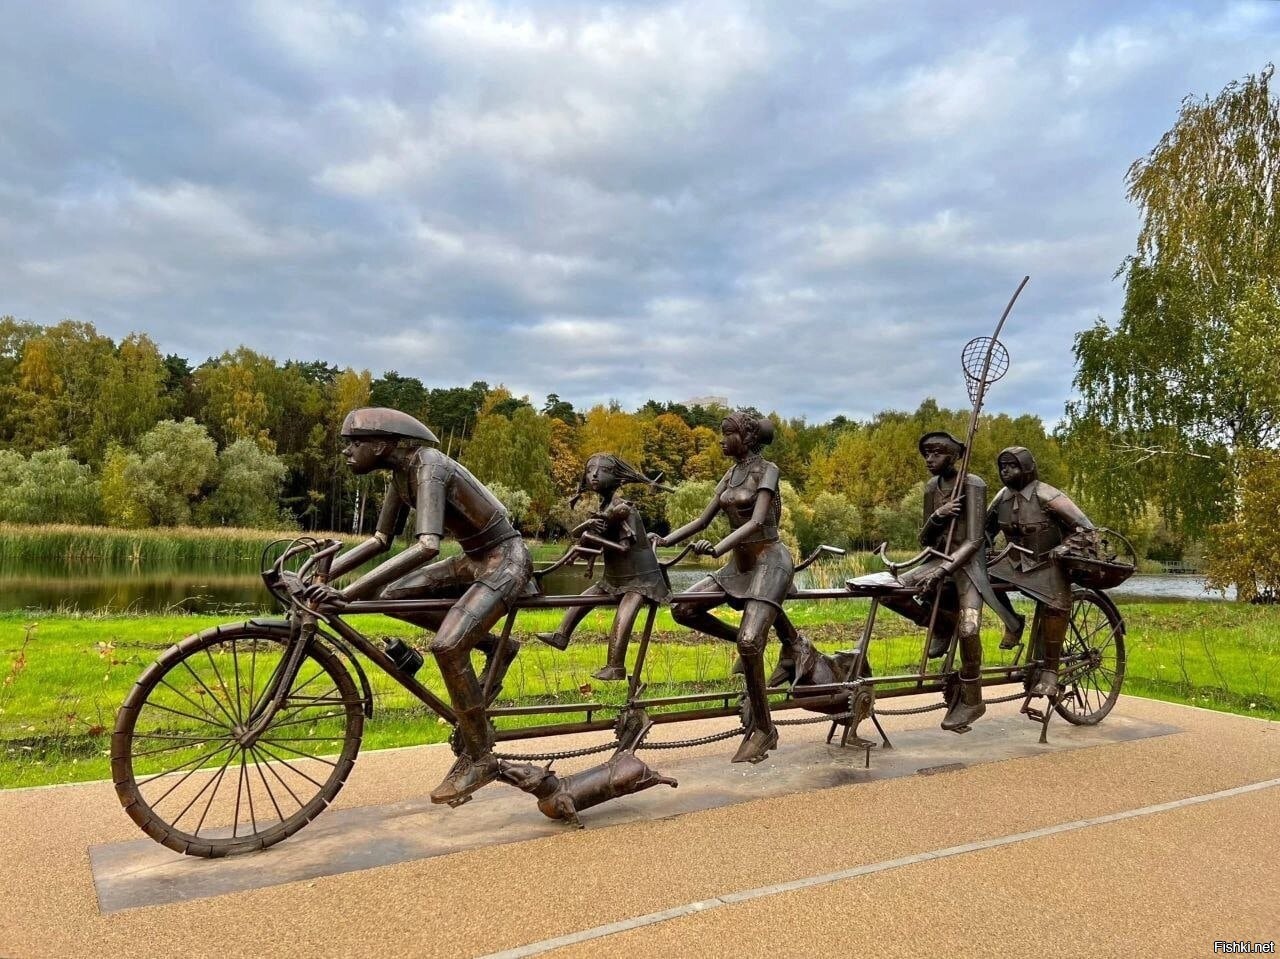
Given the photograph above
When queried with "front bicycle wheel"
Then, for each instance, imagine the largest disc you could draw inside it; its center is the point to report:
(1093, 659)
(180, 768)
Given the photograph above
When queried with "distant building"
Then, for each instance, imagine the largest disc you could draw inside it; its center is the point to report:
(707, 401)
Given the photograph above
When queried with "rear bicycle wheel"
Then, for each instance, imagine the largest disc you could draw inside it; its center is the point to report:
(180, 769)
(1093, 659)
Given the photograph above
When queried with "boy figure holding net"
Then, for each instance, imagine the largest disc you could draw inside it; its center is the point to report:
(955, 580)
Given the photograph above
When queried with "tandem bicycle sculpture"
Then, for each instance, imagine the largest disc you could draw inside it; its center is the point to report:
(238, 736)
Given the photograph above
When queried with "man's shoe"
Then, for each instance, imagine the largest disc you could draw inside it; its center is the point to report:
(609, 673)
(755, 745)
(466, 776)
(1012, 638)
(556, 640)
(1046, 684)
(966, 707)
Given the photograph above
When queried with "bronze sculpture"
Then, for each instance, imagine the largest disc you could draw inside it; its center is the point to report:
(462, 598)
(757, 577)
(493, 570)
(1039, 522)
(631, 569)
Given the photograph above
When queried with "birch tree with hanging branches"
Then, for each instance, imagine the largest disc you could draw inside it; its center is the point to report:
(1189, 377)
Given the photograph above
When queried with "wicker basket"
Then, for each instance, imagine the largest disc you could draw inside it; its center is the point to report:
(1103, 570)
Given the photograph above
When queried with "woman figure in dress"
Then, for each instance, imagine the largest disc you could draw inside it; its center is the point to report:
(758, 575)
(631, 570)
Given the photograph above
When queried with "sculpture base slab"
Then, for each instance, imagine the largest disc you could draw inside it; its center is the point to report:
(141, 872)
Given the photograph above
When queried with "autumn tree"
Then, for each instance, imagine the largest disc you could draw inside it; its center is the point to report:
(1188, 379)
(233, 397)
(348, 390)
(608, 429)
(452, 413)
(687, 502)
(54, 398)
(404, 393)
(707, 462)
(515, 453)
(132, 395)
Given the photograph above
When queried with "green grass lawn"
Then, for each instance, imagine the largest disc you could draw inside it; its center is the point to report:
(63, 676)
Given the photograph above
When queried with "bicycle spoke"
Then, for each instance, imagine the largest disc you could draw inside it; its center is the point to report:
(258, 701)
(296, 752)
(266, 785)
(289, 765)
(170, 772)
(257, 705)
(274, 772)
(209, 717)
(194, 799)
(212, 695)
(235, 814)
(189, 739)
(235, 665)
(209, 805)
(248, 791)
(226, 692)
(169, 749)
(306, 719)
(294, 709)
(253, 669)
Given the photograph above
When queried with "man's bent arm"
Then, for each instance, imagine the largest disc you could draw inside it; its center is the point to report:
(420, 553)
(378, 543)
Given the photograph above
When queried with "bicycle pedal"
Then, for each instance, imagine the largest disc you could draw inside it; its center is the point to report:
(462, 801)
(1035, 715)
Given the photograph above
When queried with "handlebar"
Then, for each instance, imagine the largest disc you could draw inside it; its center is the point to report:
(570, 555)
(679, 556)
(287, 585)
(816, 554)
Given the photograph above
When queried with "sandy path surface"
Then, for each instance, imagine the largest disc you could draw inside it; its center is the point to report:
(1168, 883)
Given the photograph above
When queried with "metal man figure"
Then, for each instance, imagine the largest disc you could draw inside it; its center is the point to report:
(493, 569)
(962, 573)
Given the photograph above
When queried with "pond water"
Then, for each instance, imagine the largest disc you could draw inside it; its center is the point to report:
(236, 591)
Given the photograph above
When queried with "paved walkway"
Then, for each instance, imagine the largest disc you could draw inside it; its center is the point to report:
(1153, 847)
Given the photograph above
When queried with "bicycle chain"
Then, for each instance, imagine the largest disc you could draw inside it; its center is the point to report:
(562, 754)
(916, 711)
(686, 743)
(835, 718)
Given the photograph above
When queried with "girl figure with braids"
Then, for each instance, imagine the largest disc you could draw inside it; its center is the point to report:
(631, 570)
(758, 575)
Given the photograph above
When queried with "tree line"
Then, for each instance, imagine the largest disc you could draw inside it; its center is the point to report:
(95, 431)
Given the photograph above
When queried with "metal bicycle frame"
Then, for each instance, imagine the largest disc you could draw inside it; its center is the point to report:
(800, 697)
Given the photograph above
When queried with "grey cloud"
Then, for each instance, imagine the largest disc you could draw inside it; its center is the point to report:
(771, 202)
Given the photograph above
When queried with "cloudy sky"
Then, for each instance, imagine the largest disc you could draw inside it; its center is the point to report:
(808, 207)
